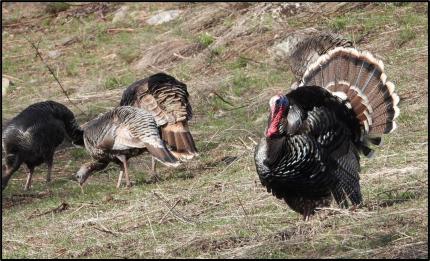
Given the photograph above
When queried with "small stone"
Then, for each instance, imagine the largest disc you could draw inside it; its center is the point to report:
(120, 14)
(163, 17)
(69, 40)
(54, 54)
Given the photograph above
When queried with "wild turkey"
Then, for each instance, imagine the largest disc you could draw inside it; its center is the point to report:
(315, 132)
(167, 100)
(118, 135)
(34, 134)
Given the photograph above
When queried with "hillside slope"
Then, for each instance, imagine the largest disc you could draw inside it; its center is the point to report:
(214, 206)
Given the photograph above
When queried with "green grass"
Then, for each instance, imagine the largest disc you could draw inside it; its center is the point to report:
(213, 206)
(205, 39)
(406, 35)
(114, 82)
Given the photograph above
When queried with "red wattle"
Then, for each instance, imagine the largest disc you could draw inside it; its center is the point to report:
(273, 127)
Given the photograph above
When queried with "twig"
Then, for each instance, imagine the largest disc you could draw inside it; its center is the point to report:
(180, 56)
(253, 141)
(150, 226)
(244, 144)
(113, 30)
(11, 77)
(222, 99)
(63, 206)
(105, 229)
(53, 74)
(170, 210)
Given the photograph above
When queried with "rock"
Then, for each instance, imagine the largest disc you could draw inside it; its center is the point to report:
(219, 114)
(284, 46)
(163, 17)
(120, 15)
(54, 54)
(138, 15)
(167, 52)
(69, 40)
(4, 86)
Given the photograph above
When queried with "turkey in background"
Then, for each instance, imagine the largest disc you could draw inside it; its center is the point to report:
(118, 135)
(167, 100)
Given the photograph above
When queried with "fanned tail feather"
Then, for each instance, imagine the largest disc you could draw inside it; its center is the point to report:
(179, 139)
(359, 78)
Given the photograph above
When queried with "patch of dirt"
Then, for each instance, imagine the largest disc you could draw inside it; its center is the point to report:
(210, 245)
(20, 199)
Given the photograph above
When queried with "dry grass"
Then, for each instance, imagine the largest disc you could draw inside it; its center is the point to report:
(213, 207)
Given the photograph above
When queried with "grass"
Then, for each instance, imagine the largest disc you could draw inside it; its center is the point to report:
(214, 206)
(114, 82)
(205, 39)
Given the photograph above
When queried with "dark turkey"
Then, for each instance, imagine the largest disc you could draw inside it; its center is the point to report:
(167, 100)
(118, 135)
(315, 133)
(34, 134)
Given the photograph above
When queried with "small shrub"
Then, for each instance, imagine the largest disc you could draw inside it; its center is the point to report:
(240, 62)
(128, 54)
(56, 7)
(406, 35)
(113, 82)
(338, 24)
(72, 70)
(206, 39)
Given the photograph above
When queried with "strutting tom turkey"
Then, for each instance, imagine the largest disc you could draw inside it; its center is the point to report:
(167, 100)
(118, 135)
(34, 134)
(310, 150)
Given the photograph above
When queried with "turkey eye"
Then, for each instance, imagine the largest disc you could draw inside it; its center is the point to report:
(277, 102)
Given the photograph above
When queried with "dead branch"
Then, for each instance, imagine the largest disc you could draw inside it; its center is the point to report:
(63, 206)
(171, 210)
(11, 77)
(104, 229)
(53, 74)
(114, 30)
(222, 99)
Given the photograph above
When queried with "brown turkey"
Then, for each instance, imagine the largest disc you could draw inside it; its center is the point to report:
(315, 132)
(118, 135)
(167, 100)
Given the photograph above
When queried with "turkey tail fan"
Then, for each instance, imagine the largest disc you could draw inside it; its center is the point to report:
(357, 76)
(307, 46)
(178, 136)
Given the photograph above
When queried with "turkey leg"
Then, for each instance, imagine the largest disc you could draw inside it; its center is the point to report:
(29, 176)
(123, 159)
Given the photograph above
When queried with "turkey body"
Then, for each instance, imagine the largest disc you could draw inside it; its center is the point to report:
(302, 167)
(167, 100)
(310, 152)
(119, 135)
(33, 135)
